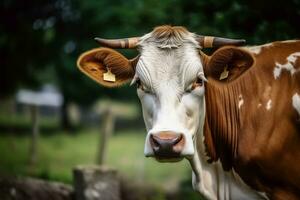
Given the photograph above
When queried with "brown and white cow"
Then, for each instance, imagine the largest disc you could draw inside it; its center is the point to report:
(235, 115)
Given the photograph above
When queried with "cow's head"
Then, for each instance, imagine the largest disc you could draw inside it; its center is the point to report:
(169, 76)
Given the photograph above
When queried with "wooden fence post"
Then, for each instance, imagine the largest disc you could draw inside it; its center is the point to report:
(96, 183)
(107, 130)
(33, 149)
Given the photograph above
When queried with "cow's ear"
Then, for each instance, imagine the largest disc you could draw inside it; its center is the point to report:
(107, 66)
(228, 63)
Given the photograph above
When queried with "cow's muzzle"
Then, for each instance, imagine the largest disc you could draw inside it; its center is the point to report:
(167, 145)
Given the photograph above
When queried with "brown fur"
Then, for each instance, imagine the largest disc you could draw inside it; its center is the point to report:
(166, 37)
(237, 61)
(166, 31)
(262, 145)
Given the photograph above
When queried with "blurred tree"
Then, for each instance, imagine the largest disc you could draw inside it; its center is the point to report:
(25, 31)
(41, 40)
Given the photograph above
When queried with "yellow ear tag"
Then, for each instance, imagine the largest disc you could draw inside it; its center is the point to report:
(224, 74)
(109, 76)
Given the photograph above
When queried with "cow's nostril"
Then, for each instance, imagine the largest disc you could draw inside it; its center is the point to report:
(177, 139)
(155, 140)
(154, 143)
(167, 143)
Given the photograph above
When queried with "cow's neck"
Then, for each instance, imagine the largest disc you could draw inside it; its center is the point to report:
(211, 180)
(222, 123)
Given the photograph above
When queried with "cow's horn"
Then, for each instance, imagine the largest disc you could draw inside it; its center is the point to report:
(210, 41)
(126, 43)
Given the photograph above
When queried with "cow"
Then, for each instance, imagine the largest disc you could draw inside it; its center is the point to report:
(234, 114)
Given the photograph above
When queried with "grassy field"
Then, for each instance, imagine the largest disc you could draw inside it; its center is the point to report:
(60, 152)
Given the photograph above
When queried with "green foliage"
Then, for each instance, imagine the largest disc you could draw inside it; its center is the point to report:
(41, 40)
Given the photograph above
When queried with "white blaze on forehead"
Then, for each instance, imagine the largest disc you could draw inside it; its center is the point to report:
(241, 101)
(296, 102)
(167, 69)
(269, 104)
(289, 65)
(174, 67)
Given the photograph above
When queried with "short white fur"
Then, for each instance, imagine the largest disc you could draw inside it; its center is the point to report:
(296, 102)
(289, 65)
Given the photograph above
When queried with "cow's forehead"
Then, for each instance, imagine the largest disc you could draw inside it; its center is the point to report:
(168, 37)
(172, 59)
(178, 66)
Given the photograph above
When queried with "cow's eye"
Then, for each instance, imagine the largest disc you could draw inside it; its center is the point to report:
(197, 83)
(138, 83)
(141, 86)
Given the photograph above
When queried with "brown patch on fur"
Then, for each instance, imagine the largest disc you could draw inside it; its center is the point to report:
(221, 134)
(95, 62)
(262, 145)
(222, 123)
(167, 31)
(167, 37)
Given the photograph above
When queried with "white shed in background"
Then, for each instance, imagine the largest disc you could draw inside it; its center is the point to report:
(49, 97)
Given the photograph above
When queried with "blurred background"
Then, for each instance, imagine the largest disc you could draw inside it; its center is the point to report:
(52, 117)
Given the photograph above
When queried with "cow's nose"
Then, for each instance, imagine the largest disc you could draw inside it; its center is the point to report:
(167, 144)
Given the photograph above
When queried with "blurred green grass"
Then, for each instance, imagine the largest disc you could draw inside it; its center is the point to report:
(60, 152)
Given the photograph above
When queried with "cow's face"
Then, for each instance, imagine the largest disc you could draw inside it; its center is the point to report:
(171, 89)
(170, 79)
